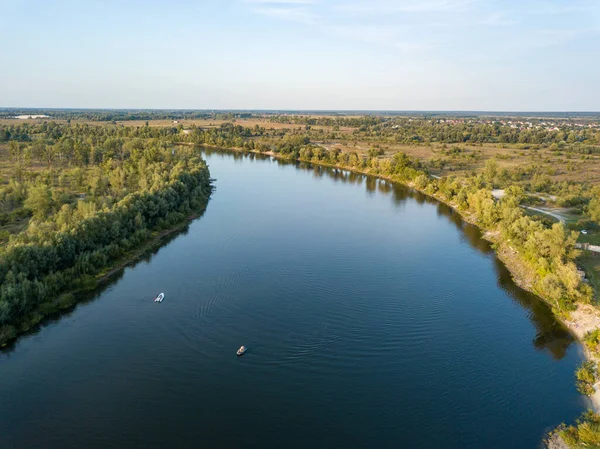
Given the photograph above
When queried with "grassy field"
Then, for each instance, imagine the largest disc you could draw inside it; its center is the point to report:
(558, 166)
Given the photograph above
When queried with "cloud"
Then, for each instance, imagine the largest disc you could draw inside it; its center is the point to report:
(435, 29)
(411, 6)
(293, 10)
(498, 19)
(379, 35)
(296, 14)
(280, 2)
(554, 8)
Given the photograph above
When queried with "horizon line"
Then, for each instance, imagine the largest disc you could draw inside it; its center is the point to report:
(480, 111)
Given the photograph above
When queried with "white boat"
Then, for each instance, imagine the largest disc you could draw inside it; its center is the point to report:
(159, 298)
(242, 350)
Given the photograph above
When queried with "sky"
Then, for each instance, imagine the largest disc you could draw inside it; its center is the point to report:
(486, 55)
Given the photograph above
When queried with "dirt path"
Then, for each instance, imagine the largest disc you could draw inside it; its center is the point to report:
(560, 218)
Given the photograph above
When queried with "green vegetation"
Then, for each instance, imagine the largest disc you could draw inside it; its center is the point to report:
(454, 130)
(93, 198)
(585, 434)
(587, 376)
(107, 115)
(592, 340)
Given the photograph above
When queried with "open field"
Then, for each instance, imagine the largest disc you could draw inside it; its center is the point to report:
(441, 159)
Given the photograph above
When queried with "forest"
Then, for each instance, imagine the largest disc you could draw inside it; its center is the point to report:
(112, 115)
(79, 198)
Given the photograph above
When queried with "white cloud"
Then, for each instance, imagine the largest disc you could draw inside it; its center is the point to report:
(297, 14)
(280, 2)
(410, 6)
(553, 8)
(498, 19)
(436, 29)
(382, 36)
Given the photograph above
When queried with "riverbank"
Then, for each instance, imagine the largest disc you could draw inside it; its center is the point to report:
(151, 244)
(70, 298)
(579, 322)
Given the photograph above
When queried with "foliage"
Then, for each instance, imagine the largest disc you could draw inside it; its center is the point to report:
(592, 340)
(39, 201)
(587, 375)
(584, 434)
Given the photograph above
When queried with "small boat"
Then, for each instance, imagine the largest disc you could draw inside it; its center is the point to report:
(159, 298)
(242, 350)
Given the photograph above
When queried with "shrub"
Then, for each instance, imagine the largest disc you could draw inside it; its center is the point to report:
(586, 375)
(584, 434)
(592, 340)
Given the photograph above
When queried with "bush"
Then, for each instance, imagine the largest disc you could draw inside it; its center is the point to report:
(592, 340)
(7, 333)
(374, 152)
(586, 375)
(584, 434)
(66, 300)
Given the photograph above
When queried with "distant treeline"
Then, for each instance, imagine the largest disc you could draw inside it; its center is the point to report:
(159, 114)
(109, 115)
(414, 130)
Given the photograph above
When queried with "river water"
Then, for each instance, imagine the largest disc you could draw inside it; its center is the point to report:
(374, 317)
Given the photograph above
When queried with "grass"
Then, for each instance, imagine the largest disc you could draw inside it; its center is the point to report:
(15, 227)
(593, 238)
(559, 166)
(472, 158)
(590, 262)
(543, 216)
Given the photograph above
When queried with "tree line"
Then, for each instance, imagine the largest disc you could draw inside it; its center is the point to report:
(109, 115)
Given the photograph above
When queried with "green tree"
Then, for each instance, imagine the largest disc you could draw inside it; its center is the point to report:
(593, 209)
(39, 201)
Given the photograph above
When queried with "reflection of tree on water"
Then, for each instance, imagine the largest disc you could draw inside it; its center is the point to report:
(550, 335)
(371, 185)
(86, 297)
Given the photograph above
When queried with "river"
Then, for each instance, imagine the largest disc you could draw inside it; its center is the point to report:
(374, 317)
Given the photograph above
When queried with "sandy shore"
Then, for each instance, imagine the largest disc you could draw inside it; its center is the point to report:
(581, 321)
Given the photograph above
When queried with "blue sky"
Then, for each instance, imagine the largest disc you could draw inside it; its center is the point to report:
(302, 54)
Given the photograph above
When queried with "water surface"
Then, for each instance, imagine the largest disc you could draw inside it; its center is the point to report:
(374, 317)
